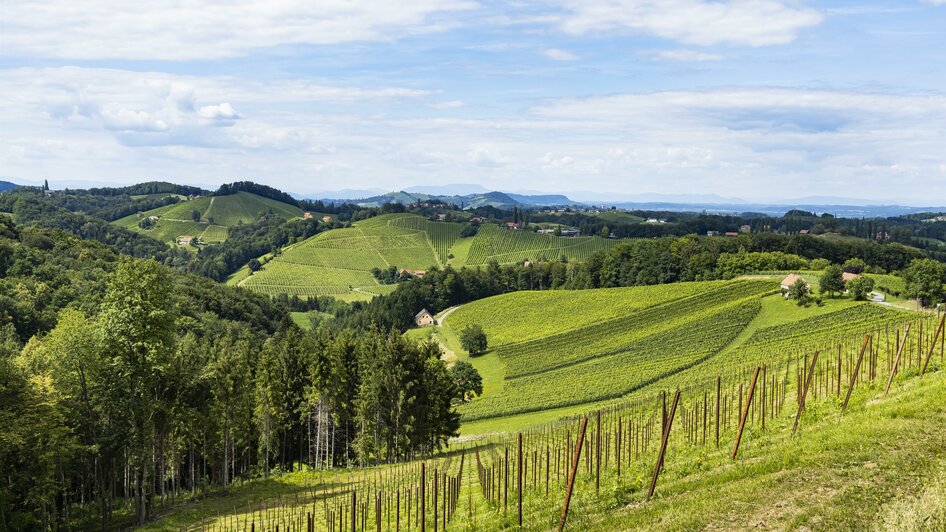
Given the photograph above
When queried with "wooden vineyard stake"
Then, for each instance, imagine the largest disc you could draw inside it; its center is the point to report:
(896, 360)
(745, 412)
(857, 368)
(665, 437)
(422, 518)
(573, 473)
(719, 383)
(939, 330)
(804, 393)
(597, 453)
(519, 479)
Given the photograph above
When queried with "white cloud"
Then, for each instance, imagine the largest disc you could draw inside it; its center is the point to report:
(701, 22)
(450, 104)
(207, 29)
(685, 55)
(556, 54)
(222, 114)
(740, 141)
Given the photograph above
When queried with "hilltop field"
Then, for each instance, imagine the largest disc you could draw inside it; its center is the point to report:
(215, 215)
(339, 262)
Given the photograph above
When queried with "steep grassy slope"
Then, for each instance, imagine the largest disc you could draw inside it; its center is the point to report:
(216, 214)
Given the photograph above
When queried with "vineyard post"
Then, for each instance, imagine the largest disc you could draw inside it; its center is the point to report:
(617, 448)
(353, 506)
(896, 360)
(804, 393)
(719, 388)
(434, 491)
(598, 453)
(857, 367)
(665, 437)
(423, 516)
(573, 473)
(745, 412)
(519, 479)
(939, 331)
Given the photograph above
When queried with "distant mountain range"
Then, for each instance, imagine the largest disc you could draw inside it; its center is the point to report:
(6, 185)
(472, 200)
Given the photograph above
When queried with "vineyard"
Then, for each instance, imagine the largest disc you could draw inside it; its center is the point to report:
(814, 437)
(217, 213)
(505, 246)
(339, 262)
(626, 341)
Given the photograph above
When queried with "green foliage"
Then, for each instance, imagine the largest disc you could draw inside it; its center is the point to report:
(831, 281)
(467, 380)
(860, 287)
(854, 265)
(923, 281)
(473, 340)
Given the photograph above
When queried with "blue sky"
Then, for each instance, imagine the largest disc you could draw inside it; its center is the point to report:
(758, 99)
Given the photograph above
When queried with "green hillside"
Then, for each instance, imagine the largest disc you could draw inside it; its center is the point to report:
(217, 213)
(595, 346)
(505, 246)
(339, 262)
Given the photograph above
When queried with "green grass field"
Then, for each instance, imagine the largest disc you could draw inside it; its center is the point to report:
(217, 214)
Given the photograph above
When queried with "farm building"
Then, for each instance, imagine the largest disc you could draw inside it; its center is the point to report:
(789, 281)
(424, 319)
(732, 233)
(745, 228)
(307, 215)
(326, 219)
(184, 240)
(512, 225)
(847, 276)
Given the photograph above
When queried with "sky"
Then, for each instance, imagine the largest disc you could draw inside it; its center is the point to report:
(755, 99)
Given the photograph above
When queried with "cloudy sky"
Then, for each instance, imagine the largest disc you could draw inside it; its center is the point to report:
(749, 98)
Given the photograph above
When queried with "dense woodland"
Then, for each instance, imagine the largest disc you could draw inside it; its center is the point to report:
(123, 381)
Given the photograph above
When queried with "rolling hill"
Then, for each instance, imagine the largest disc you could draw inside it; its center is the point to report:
(339, 262)
(593, 346)
(216, 215)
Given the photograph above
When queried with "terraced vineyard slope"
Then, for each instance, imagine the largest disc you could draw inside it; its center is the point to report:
(505, 246)
(339, 262)
(555, 351)
(216, 215)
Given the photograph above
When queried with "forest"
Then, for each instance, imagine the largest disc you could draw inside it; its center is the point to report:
(124, 382)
